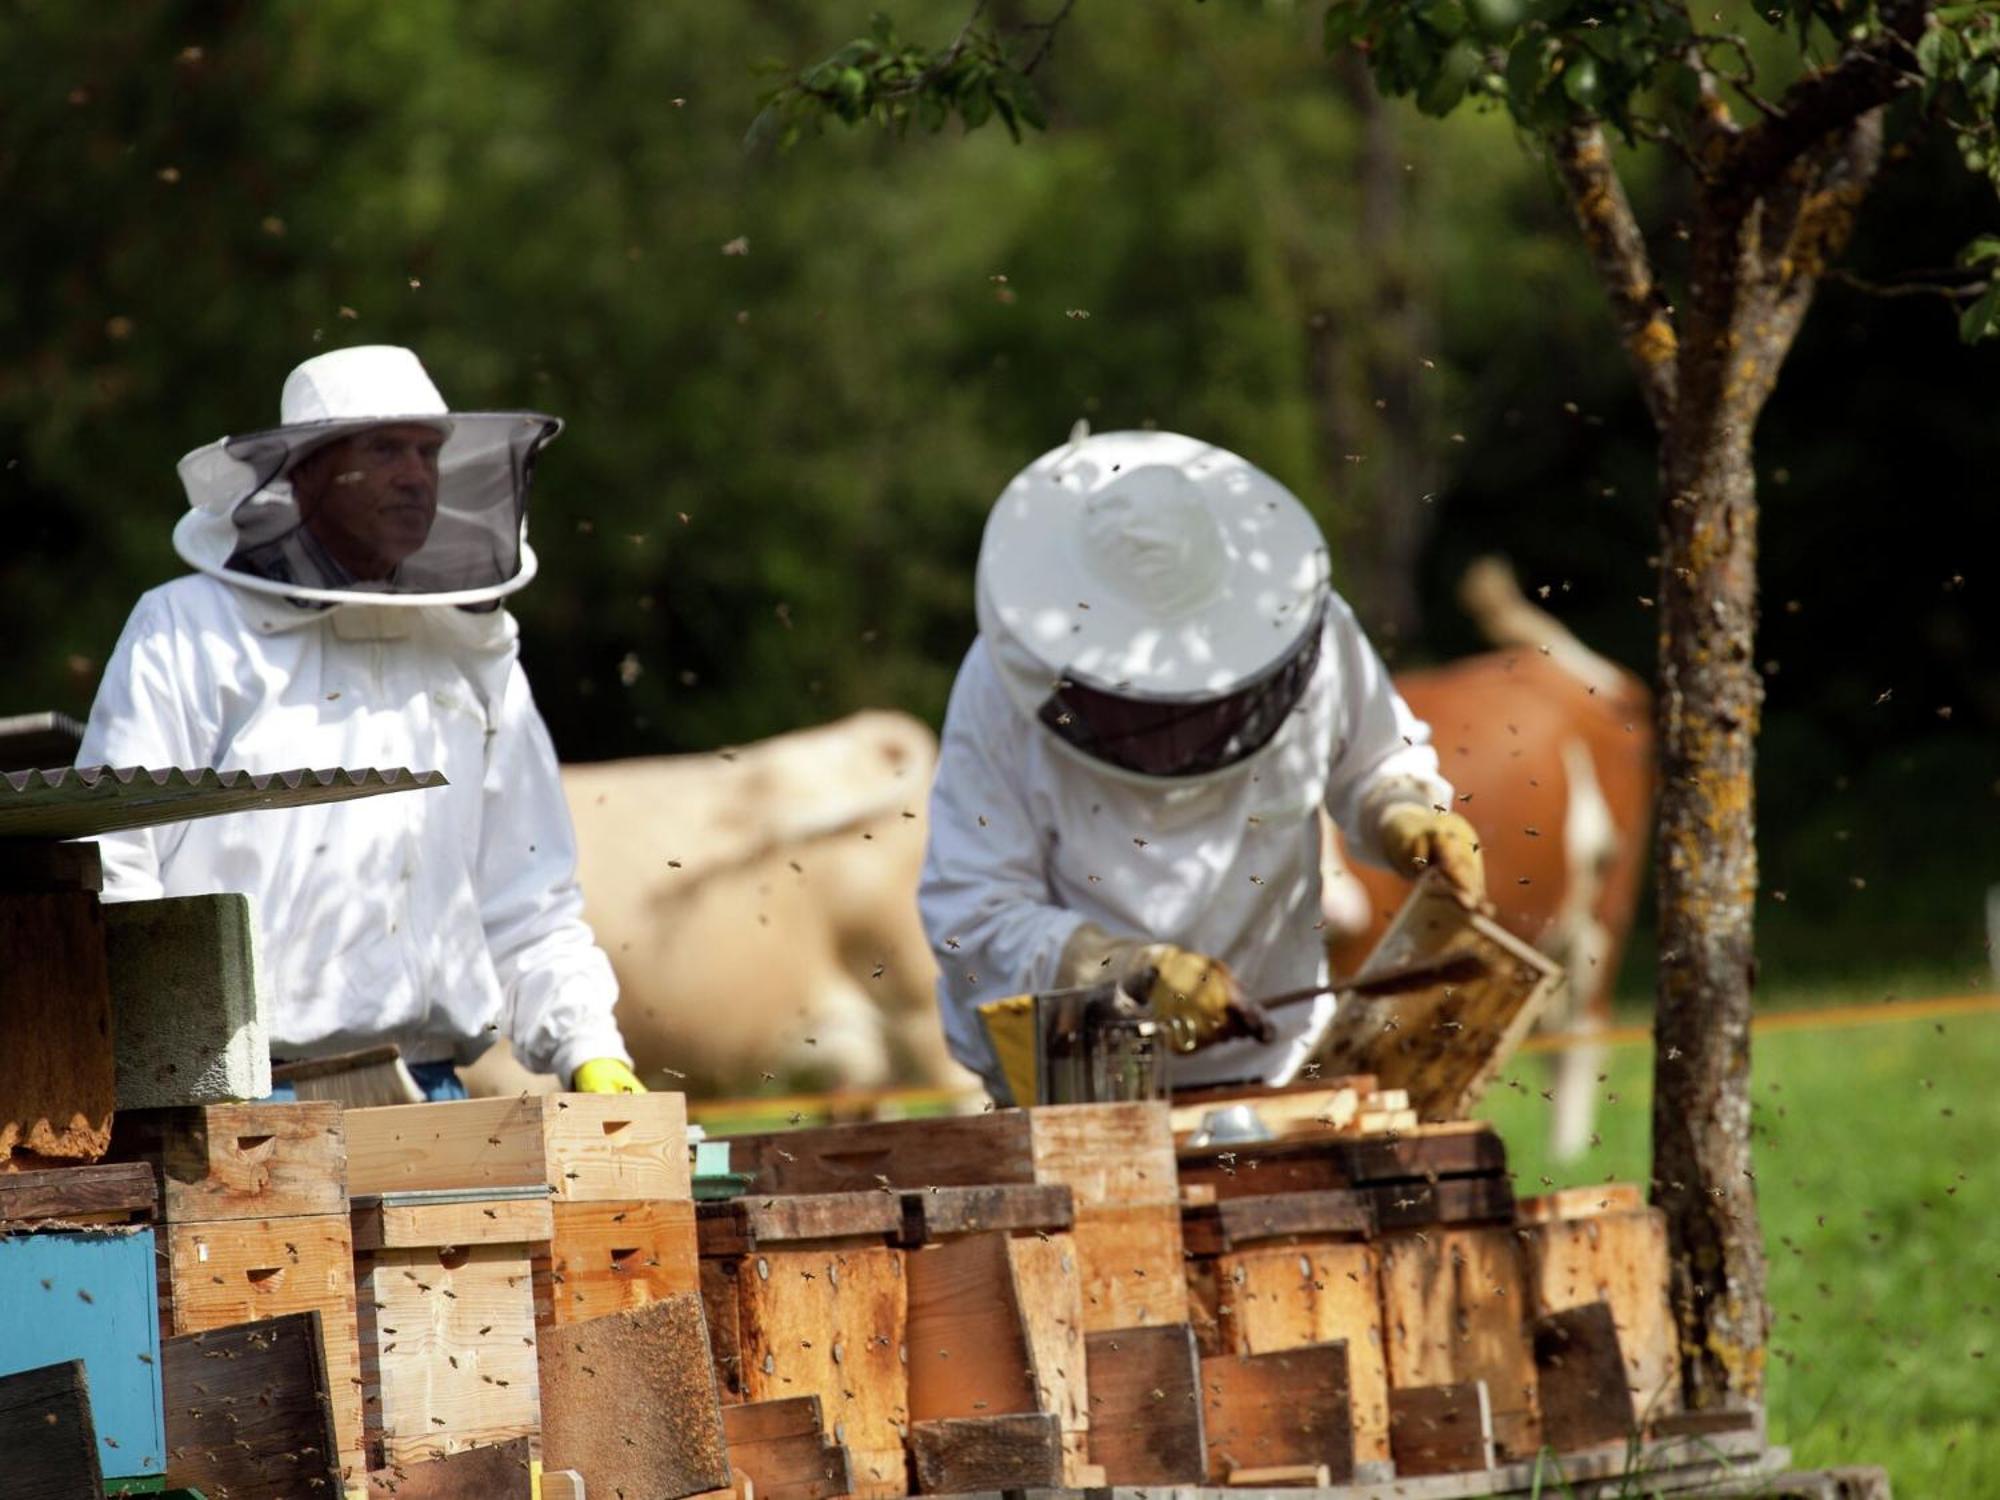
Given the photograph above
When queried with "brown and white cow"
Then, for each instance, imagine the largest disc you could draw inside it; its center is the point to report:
(1550, 749)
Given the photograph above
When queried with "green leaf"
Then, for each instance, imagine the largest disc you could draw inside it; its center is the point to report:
(1982, 319)
(1446, 17)
(1985, 248)
(1583, 81)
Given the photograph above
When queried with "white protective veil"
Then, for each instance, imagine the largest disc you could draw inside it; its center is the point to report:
(1156, 602)
(245, 524)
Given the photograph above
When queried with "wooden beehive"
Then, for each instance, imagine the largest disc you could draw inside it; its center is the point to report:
(1116, 1159)
(445, 1286)
(77, 1283)
(253, 1199)
(806, 1296)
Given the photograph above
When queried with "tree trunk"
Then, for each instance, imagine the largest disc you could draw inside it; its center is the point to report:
(1705, 850)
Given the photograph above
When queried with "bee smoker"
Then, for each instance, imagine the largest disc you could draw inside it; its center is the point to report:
(1097, 1045)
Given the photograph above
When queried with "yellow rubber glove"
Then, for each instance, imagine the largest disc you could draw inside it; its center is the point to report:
(1197, 999)
(1417, 839)
(606, 1075)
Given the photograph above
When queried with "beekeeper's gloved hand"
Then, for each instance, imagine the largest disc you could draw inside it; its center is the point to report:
(1417, 838)
(1194, 997)
(606, 1075)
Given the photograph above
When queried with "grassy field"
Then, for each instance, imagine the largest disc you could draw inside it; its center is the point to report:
(1881, 1208)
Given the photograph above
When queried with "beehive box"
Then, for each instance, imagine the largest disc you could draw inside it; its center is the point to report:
(253, 1199)
(77, 1283)
(806, 1296)
(1116, 1159)
(447, 1319)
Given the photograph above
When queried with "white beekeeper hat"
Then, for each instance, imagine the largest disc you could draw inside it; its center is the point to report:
(1155, 601)
(242, 509)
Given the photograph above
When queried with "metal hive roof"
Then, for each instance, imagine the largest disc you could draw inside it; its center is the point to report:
(83, 801)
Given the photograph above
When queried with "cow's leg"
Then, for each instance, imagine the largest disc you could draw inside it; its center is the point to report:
(1583, 946)
(841, 1039)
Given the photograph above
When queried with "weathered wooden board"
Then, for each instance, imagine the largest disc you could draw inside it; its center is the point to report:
(1145, 1406)
(240, 1161)
(1619, 1258)
(1445, 1042)
(1449, 1200)
(1580, 1203)
(214, 1275)
(938, 1213)
(1318, 1106)
(653, 1360)
(830, 1322)
(1132, 1264)
(447, 1349)
(1273, 1298)
(966, 1334)
(1581, 1378)
(960, 1455)
(102, 1193)
(1455, 1309)
(1441, 1429)
(1426, 1154)
(613, 1256)
(781, 1449)
(584, 1147)
(742, 1225)
(249, 1413)
(503, 1471)
(1106, 1153)
(1212, 1228)
(1289, 1407)
(47, 1435)
(58, 1082)
(66, 1295)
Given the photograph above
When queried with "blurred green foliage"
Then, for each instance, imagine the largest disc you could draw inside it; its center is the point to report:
(796, 380)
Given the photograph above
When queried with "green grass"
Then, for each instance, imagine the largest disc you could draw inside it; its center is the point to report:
(1881, 1209)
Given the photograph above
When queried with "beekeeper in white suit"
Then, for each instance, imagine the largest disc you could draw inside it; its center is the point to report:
(1164, 691)
(346, 611)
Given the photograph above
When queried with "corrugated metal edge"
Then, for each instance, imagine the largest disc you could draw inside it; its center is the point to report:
(83, 801)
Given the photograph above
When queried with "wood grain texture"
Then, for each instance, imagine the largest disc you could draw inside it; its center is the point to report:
(741, 1225)
(240, 1161)
(1449, 1200)
(503, 1471)
(47, 1436)
(583, 1147)
(58, 1083)
(614, 1256)
(957, 1151)
(214, 1275)
(1580, 1203)
(249, 1410)
(1454, 1308)
(1131, 1261)
(958, 1455)
(1212, 1228)
(1145, 1406)
(105, 1190)
(1107, 1154)
(1277, 1297)
(966, 1332)
(1581, 1374)
(831, 1322)
(653, 1360)
(781, 1449)
(1621, 1259)
(1289, 1407)
(399, 1221)
(447, 1350)
(1048, 1288)
(1441, 1429)
(1459, 1149)
(938, 1213)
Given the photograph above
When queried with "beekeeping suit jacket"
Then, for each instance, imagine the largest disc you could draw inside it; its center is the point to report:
(1029, 840)
(436, 919)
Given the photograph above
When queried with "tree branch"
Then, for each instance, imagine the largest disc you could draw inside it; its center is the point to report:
(1618, 254)
(1822, 103)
